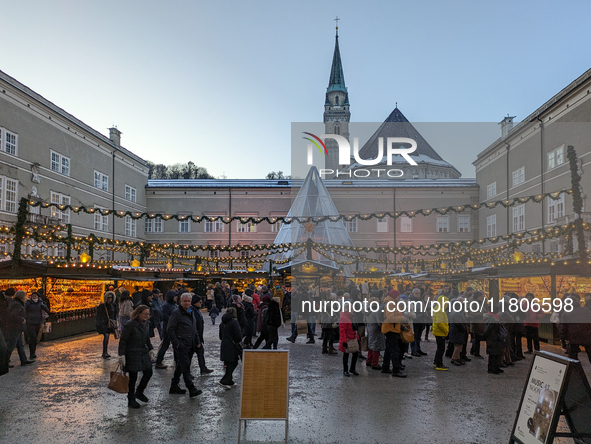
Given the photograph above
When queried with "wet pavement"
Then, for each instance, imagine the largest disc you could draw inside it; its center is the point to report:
(63, 398)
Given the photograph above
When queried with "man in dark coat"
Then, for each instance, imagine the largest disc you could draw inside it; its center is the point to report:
(495, 336)
(16, 325)
(230, 336)
(196, 302)
(182, 330)
(136, 297)
(34, 309)
(167, 308)
(273, 322)
(576, 326)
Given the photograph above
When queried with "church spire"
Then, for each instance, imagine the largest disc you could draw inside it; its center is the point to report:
(337, 78)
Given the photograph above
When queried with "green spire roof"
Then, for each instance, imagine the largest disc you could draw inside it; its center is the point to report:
(337, 78)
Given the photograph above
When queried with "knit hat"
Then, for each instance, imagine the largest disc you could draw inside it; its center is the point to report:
(394, 293)
(248, 292)
(195, 299)
(10, 292)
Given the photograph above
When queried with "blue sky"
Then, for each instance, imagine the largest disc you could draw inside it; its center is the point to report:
(220, 83)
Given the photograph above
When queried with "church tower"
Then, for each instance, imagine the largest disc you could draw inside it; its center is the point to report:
(336, 107)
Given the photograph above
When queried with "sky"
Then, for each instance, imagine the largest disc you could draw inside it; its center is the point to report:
(220, 83)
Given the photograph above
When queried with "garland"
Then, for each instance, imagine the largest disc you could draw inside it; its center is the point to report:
(505, 203)
(571, 155)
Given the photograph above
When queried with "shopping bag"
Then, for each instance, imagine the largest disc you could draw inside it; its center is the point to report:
(302, 327)
(47, 327)
(119, 381)
(363, 341)
(406, 334)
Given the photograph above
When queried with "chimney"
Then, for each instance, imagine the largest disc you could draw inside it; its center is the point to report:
(506, 125)
(115, 136)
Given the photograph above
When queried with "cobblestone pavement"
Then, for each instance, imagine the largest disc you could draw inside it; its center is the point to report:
(63, 398)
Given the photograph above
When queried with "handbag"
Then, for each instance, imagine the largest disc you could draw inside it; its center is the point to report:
(47, 327)
(364, 343)
(406, 334)
(302, 327)
(119, 381)
(352, 346)
(239, 349)
(44, 315)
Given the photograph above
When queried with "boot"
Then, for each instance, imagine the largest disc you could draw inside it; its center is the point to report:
(193, 391)
(331, 350)
(176, 390)
(324, 351)
(133, 404)
(140, 395)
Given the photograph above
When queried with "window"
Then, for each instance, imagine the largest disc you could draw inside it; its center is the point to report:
(519, 176)
(62, 215)
(491, 190)
(130, 226)
(276, 226)
(442, 224)
(463, 224)
(244, 253)
(536, 248)
(154, 225)
(519, 218)
(382, 256)
(555, 208)
(8, 142)
(216, 226)
(185, 226)
(60, 164)
(214, 254)
(556, 157)
(182, 252)
(383, 225)
(130, 193)
(351, 225)
(101, 181)
(101, 223)
(8, 194)
(248, 227)
(405, 224)
(491, 226)
(555, 248)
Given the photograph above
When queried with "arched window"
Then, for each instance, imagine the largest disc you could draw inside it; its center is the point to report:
(336, 100)
(337, 129)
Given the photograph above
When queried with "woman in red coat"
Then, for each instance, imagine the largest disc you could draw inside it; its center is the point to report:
(346, 332)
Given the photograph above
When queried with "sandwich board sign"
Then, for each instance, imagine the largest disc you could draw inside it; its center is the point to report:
(265, 387)
(555, 386)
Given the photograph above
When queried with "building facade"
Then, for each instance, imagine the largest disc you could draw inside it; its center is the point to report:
(48, 155)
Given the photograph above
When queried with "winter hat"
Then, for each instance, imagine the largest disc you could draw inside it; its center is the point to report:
(155, 290)
(109, 294)
(10, 292)
(195, 299)
(394, 293)
(246, 298)
(248, 292)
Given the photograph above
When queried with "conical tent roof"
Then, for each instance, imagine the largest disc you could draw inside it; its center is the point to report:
(314, 201)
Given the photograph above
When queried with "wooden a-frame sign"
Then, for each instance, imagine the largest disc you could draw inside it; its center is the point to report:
(556, 386)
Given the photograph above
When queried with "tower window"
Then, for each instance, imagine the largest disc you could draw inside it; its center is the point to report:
(336, 99)
(337, 129)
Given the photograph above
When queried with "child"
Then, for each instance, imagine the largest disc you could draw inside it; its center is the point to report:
(213, 313)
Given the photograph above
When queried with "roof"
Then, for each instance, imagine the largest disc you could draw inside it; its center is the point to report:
(297, 183)
(397, 125)
(39, 98)
(577, 83)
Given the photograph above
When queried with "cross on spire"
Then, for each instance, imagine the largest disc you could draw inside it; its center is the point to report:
(337, 24)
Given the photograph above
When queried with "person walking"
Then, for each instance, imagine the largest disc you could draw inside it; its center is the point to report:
(346, 333)
(328, 323)
(230, 350)
(532, 326)
(125, 309)
(273, 323)
(250, 314)
(440, 331)
(105, 320)
(391, 328)
(16, 325)
(34, 309)
(376, 342)
(261, 322)
(495, 335)
(136, 354)
(197, 303)
(167, 308)
(182, 331)
(157, 312)
(458, 332)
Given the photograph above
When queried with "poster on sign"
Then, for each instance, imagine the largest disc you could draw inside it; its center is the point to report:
(538, 408)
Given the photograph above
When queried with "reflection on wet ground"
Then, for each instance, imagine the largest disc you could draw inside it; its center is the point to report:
(63, 398)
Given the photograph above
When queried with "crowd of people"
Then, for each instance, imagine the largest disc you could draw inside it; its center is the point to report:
(388, 336)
